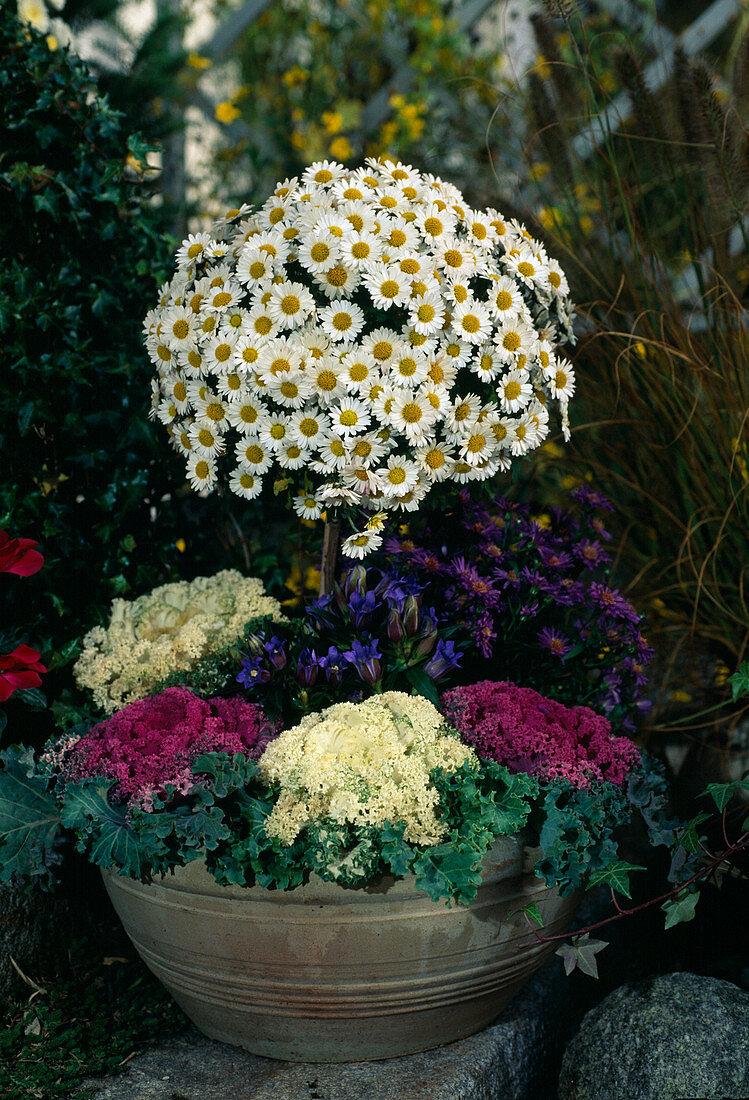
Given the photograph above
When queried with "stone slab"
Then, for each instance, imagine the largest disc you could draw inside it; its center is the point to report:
(515, 1059)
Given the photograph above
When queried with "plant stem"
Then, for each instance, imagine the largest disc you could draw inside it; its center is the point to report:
(330, 540)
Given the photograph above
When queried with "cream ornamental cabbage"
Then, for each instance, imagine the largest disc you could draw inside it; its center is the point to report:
(363, 763)
(359, 319)
(166, 631)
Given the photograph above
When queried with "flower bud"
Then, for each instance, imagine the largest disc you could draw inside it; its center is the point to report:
(394, 626)
(411, 615)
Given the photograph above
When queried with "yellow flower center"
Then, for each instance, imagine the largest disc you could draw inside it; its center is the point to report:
(453, 258)
(223, 351)
(326, 381)
(222, 298)
(248, 414)
(257, 269)
(247, 481)
(202, 469)
(555, 279)
(206, 438)
(526, 269)
(476, 443)
(308, 426)
(389, 289)
(511, 341)
(397, 238)
(263, 325)
(342, 321)
(434, 459)
(349, 418)
(503, 300)
(561, 379)
(397, 475)
(180, 329)
(512, 390)
(254, 454)
(412, 413)
(278, 431)
(382, 350)
(180, 391)
(194, 250)
(432, 227)
(360, 250)
(319, 252)
(290, 305)
(336, 276)
(290, 389)
(215, 412)
(323, 175)
(337, 448)
(471, 322)
(276, 215)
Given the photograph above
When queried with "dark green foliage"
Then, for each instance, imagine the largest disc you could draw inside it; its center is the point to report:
(84, 471)
(29, 818)
(100, 1007)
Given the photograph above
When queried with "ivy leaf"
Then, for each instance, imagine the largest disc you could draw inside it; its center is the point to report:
(616, 875)
(690, 839)
(722, 793)
(29, 819)
(680, 909)
(534, 913)
(103, 830)
(740, 681)
(580, 954)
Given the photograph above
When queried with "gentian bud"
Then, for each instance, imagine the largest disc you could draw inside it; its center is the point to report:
(394, 626)
(412, 615)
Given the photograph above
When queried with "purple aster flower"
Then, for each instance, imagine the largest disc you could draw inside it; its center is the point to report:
(444, 659)
(611, 601)
(554, 558)
(585, 495)
(591, 553)
(366, 660)
(553, 640)
(484, 634)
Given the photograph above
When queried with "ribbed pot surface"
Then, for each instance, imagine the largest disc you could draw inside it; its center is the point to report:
(326, 974)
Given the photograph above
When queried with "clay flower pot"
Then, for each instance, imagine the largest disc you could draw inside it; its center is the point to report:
(327, 974)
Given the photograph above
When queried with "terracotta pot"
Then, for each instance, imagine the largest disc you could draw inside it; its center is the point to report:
(327, 974)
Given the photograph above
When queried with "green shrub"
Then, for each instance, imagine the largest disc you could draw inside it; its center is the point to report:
(84, 471)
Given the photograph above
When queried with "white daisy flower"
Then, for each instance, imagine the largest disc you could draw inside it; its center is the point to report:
(274, 430)
(527, 266)
(223, 296)
(218, 352)
(383, 344)
(487, 362)
(180, 329)
(367, 450)
(358, 370)
(290, 388)
(260, 322)
(255, 268)
(205, 442)
(290, 304)
(193, 249)
(201, 473)
(306, 506)
(410, 500)
(323, 173)
(408, 367)
(427, 314)
(557, 279)
(514, 391)
(360, 544)
(245, 415)
(211, 411)
(173, 387)
(253, 455)
(399, 475)
(308, 427)
(442, 370)
(436, 224)
(562, 381)
(481, 233)
(245, 483)
(349, 416)
(387, 285)
(333, 451)
(341, 320)
(360, 248)
(230, 385)
(336, 495)
(319, 251)
(412, 414)
(247, 350)
(280, 355)
(338, 281)
(292, 456)
(435, 460)
(454, 260)
(472, 322)
(513, 339)
(399, 238)
(478, 444)
(462, 413)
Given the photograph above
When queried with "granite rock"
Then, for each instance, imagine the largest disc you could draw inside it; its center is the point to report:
(676, 1035)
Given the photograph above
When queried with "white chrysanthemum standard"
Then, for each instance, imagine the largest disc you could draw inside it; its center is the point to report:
(363, 764)
(167, 631)
(359, 323)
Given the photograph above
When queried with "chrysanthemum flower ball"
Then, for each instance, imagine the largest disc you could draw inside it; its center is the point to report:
(364, 335)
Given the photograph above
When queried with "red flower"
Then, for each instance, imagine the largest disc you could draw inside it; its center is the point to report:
(19, 669)
(18, 556)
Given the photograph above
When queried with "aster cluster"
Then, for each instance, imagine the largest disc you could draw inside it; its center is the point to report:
(363, 763)
(374, 632)
(526, 732)
(362, 337)
(153, 743)
(529, 592)
(167, 630)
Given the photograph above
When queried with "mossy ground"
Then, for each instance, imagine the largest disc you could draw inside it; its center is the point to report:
(99, 1008)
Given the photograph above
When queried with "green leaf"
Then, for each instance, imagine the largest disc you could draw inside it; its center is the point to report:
(616, 875)
(680, 909)
(740, 681)
(534, 913)
(29, 819)
(102, 829)
(423, 684)
(690, 839)
(580, 954)
(722, 793)
(32, 697)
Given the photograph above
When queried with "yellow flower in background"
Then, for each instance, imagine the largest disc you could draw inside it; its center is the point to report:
(341, 148)
(539, 170)
(181, 545)
(195, 61)
(295, 76)
(542, 67)
(332, 121)
(226, 112)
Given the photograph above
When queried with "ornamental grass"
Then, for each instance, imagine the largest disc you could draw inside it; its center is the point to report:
(645, 198)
